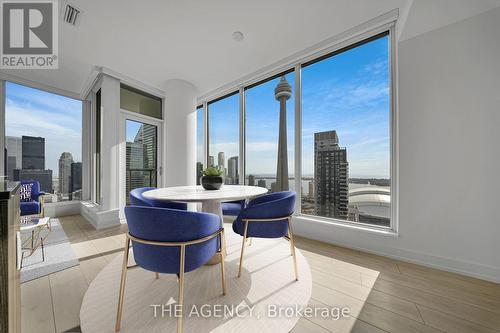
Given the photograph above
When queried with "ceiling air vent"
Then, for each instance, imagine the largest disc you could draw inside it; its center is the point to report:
(71, 14)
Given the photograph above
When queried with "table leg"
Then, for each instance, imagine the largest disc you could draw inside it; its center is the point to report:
(214, 207)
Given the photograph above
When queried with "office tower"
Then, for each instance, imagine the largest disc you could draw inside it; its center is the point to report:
(14, 155)
(44, 177)
(220, 160)
(65, 162)
(146, 135)
(273, 187)
(33, 153)
(261, 183)
(311, 189)
(232, 170)
(199, 172)
(135, 176)
(210, 161)
(331, 175)
(282, 93)
(251, 180)
(75, 191)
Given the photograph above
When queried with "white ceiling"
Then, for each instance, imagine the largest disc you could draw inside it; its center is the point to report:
(157, 40)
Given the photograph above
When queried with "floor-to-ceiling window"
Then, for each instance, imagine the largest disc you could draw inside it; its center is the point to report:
(346, 155)
(224, 134)
(44, 141)
(97, 148)
(269, 133)
(200, 141)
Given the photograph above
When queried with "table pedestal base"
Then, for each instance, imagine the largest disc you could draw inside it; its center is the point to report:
(214, 207)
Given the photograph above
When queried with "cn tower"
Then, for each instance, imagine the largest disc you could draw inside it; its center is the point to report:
(282, 93)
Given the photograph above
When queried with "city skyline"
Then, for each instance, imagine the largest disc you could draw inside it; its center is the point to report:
(32, 112)
(348, 93)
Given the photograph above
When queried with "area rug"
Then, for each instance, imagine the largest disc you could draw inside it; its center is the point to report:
(58, 255)
(252, 302)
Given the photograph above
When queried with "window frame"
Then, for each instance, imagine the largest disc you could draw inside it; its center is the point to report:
(319, 53)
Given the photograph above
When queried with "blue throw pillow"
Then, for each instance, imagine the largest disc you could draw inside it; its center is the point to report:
(25, 192)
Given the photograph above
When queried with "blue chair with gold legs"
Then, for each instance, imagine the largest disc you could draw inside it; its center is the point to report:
(171, 241)
(267, 216)
(137, 199)
(31, 198)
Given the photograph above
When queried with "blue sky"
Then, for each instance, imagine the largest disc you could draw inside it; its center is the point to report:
(348, 93)
(56, 118)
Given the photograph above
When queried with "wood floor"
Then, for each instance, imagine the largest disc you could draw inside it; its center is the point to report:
(384, 295)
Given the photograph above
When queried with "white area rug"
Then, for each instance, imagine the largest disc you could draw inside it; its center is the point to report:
(267, 284)
(58, 255)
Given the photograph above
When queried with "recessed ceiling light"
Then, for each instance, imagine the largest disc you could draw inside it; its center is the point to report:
(238, 36)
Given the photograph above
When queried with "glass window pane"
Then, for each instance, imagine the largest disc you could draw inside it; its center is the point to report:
(266, 103)
(346, 135)
(140, 102)
(224, 125)
(141, 150)
(44, 140)
(199, 143)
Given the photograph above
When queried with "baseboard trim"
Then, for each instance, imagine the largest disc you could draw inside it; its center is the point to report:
(312, 230)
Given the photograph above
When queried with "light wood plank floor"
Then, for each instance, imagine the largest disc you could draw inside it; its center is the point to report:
(384, 295)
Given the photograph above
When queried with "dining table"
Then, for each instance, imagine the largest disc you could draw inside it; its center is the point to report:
(211, 200)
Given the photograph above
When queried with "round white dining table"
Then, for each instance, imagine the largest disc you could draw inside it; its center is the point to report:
(210, 199)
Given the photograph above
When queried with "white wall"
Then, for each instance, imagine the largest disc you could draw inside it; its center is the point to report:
(449, 95)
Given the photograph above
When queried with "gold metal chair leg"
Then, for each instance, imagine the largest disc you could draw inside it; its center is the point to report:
(243, 247)
(157, 275)
(222, 259)
(122, 285)
(181, 288)
(290, 231)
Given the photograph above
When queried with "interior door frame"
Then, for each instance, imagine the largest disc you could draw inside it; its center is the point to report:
(159, 123)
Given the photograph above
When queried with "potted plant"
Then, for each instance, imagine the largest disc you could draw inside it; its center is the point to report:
(212, 178)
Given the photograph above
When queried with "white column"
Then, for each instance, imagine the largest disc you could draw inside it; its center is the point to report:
(180, 133)
(86, 149)
(110, 157)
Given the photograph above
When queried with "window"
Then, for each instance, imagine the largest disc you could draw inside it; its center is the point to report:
(200, 151)
(98, 137)
(265, 103)
(346, 107)
(224, 124)
(139, 102)
(43, 141)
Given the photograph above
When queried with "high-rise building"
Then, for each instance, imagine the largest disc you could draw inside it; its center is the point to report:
(221, 160)
(273, 187)
(199, 172)
(33, 153)
(232, 170)
(65, 162)
(282, 93)
(14, 155)
(211, 161)
(76, 181)
(146, 135)
(331, 176)
(311, 189)
(261, 183)
(251, 180)
(135, 176)
(44, 177)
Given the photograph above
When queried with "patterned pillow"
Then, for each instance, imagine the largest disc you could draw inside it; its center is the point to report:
(25, 192)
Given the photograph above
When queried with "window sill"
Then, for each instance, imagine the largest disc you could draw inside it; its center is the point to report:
(346, 225)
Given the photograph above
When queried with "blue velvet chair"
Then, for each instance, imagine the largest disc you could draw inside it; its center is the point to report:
(31, 198)
(137, 199)
(267, 216)
(171, 241)
(232, 208)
